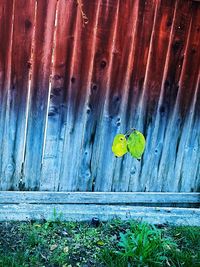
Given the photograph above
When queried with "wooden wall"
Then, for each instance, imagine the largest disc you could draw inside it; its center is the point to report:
(69, 84)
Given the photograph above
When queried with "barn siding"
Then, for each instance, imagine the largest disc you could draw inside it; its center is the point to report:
(129, 64)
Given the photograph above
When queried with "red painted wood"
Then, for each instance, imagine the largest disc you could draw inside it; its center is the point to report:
(158, 56)
(16, 98)
(96, 96)
(113, 119)
(176, 56)
(146, 14)
(135, 63)
(6, 9)
(61, 79)
(100, 84)
(78, 93)
(6, 12)
(42, 56)
(192, 65)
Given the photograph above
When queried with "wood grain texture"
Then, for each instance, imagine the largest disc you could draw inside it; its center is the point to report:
(176, 130)
(162, 136)
(78, 110)
(64, 40)
(155, 76)
(133, 64)
(6, 30)
(16, 99)
(39, 92)
(113, 114)
(10, 197)
(146, 22)
(81, 212)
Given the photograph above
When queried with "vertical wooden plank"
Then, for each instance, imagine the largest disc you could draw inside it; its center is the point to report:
(146, 14)
(42, 56)
(73, 134)
(155, 126)
(130, 169)
(153, 93)
(62, 60)
(167, 172)
(72, 123)
(15, 118)
(195, 184)
(114, 116)
(138, 88)
(76, 81)
(190, 75)
(78, 99)
(196, 134)
(6, 17)
(90, 163)
(83, 175)
(96, 92)
(188, 150)
(149, 99)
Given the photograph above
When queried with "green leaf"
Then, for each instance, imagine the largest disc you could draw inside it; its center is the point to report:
(119, 146)
(136, 144)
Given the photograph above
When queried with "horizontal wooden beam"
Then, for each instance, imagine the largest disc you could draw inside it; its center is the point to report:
(85, 212)
(13, 197)
(83, 206)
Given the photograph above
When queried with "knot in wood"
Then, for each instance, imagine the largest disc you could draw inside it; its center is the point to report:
(27, 24)
(10, 168)
(103, 64)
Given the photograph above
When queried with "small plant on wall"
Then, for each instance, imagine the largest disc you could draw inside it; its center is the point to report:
(133, 142)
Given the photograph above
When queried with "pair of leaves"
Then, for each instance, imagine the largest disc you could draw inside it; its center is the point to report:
(134, 144)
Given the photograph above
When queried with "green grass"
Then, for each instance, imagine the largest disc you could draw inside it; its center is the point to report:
(115, 243)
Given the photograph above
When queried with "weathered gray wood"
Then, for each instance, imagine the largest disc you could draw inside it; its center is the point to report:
(17, 97)
(189, 150)
(75, 141)
(106, 129)
(173, 129)
(155, 132)
(6, 33)
(90, 111)
(139, 70)
(82, 212)
(144, 41)
(61, 77)
(98, 197)
(140, 118)
(117, 110)
(72, 122)
(39, 92)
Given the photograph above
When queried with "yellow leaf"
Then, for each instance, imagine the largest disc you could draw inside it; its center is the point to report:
(37, 225)
(100, 243)
(119, 146)
(54, 246)
(65, 249)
